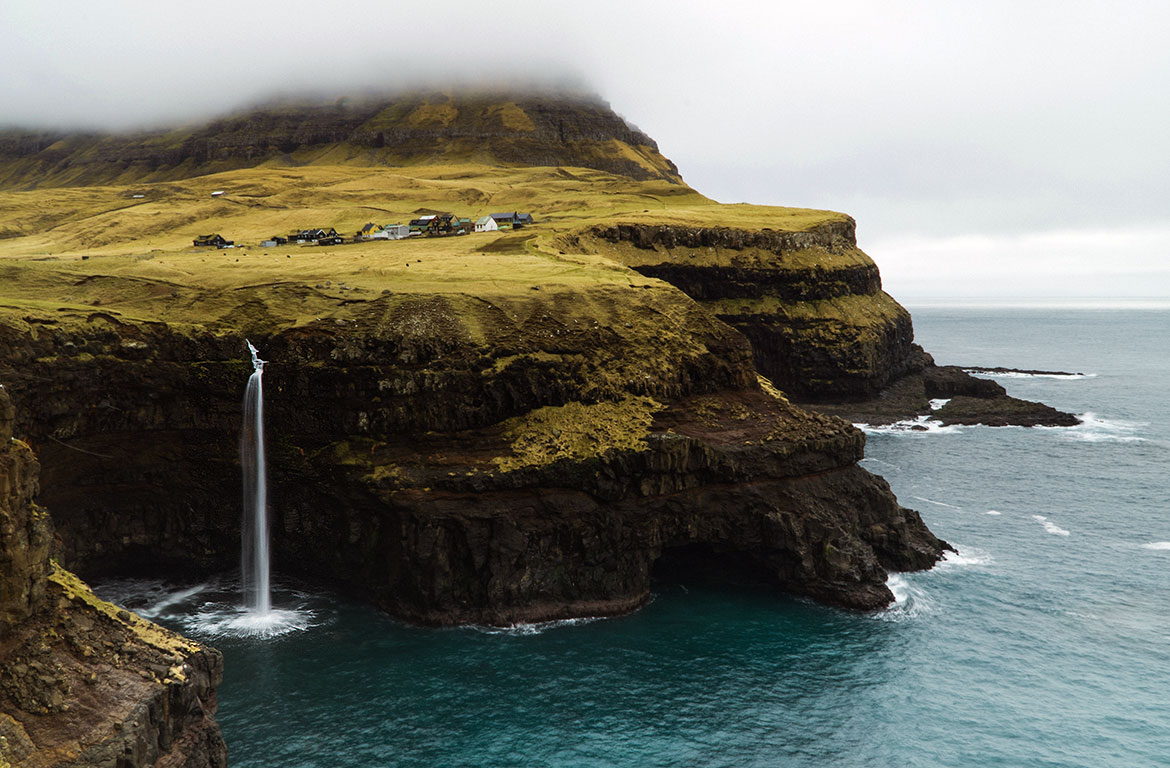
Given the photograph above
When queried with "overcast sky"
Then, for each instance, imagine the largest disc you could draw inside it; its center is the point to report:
(991, 148)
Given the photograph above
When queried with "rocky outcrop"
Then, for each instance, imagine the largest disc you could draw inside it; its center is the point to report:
(82, 682)
(821, 328)
(966, 400)
(542, 129)
(459, 459)
(810, 302)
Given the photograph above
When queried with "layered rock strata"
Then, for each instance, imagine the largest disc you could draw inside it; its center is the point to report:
(821, 328)
(460, 459)
(82, 682)
(810, 302)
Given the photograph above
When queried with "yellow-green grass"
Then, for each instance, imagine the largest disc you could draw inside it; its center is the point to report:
(79, 248)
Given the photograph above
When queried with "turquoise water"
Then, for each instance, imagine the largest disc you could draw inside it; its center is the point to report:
(1045, 642)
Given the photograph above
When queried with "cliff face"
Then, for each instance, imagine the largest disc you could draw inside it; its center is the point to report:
(810, 302)
(537, 129)
(83, 683)
(461, 459)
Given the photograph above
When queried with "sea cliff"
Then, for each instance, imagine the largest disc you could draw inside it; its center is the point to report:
(460, 459)
(83, 682)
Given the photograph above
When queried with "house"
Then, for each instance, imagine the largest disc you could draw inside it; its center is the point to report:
(312, 235)
(370, 231)
(486, 224)
(513, 219)
(216, 241)
(332, 239)
(396, 231)
(463, 226)
(421, 224)
(441, 224)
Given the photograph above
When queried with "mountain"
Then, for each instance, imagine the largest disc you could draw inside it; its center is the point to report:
(547, 129)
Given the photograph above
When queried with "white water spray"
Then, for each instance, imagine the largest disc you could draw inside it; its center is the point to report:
(254, 552)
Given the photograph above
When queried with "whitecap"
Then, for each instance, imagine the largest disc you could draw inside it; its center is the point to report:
(1160, 545)
(993, 512)
(936, 503)
(939, 402)
(1050, 526)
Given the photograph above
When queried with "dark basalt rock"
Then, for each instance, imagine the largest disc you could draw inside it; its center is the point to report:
(848, 350)
(83, 683)
(971, 401)
(390, 447)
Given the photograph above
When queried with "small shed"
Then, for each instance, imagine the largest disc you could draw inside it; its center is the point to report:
(217, 193)
(486, 224)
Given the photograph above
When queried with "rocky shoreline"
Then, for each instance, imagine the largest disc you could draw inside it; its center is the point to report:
(951, 395)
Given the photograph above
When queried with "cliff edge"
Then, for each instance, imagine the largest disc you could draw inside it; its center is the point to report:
(82, 682)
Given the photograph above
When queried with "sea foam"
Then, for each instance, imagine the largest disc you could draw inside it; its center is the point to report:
(964, 557)
(1160, 545)
(1050, 526)
(1094, 429)
(936, 503)
(983, 373)
(918, 426)
(910, 600)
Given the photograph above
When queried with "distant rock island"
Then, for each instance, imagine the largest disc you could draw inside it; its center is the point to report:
(492, 427)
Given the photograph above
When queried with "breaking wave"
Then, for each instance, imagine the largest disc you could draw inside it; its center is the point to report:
(964, 557)
(910, 600)
(921, 425)
(990, 374)
(1094, 429)
(1158, 545)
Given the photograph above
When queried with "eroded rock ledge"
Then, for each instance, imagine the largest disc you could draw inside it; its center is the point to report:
(82, 682)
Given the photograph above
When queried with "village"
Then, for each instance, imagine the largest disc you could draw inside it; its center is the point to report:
(430, 225)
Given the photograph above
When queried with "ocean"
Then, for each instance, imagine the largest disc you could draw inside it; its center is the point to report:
(1044, 642)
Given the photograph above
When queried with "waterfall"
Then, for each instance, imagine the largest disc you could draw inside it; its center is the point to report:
(254, 550)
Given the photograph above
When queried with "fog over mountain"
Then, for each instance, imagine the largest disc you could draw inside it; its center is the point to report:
(1011, 148)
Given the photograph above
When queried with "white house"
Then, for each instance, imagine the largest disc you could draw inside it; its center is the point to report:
(396, 231)
(486, 224)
